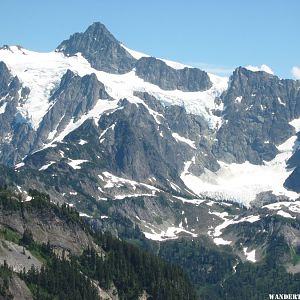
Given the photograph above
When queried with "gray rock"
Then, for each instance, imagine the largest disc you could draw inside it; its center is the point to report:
(100, 48)
(158, 72)
(258, 109)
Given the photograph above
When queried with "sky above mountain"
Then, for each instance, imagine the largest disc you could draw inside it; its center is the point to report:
(214, 35)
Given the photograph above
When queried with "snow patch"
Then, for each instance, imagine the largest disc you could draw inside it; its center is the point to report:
(182, 139)
(45, 167)
(113, 181)
(135, 54)
(242, 182)
(19, 165)
(296, 124)
(250, 256)
(285, 214)
(75, 163)
(82, 142)
(169, 234)
(3, 108)
(217, 231)
(239, 99)
(280, 101)
(85, 215)
(263, 67)
(42, 72)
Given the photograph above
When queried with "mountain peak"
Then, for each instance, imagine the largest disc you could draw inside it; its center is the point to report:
(103, 51)
(98, 31)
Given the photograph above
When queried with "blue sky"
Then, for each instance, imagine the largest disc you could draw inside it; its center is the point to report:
(216, 35)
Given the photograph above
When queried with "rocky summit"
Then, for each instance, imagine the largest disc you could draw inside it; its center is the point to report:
(154, 150)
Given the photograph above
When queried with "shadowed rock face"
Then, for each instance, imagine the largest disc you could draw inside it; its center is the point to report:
(105, 53)
(100, 48)
(16, 135)
(258, 109)
(128, 140)
(158, 72)
(5, 78)
(74, 97)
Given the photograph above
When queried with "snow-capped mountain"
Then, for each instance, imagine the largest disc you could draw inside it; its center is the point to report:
(95, 121)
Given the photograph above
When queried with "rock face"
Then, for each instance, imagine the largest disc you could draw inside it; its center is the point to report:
(100, 48)
(98, 125)
(258, 109)
(84, 93)
(16, 134)
(17, 290)
(47, 226)
(158, 72)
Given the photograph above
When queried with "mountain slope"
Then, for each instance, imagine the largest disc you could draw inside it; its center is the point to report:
(96, 121)
(79, 262)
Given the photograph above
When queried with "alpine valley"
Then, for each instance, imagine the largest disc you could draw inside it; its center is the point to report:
(193, 177)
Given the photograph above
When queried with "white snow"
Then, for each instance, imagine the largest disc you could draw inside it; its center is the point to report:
(280, 101)
(82, 142)
(170, 63)
(2, 108)
(191, 201)
(95, 113)
(285, 214)
(135, 54)
(19, 165)
(296, 124)
(263, 67)
(45, 167)
(242, 182)
(75, 163)
(85, 215)
(293, 206)
(175, 65)
(217, 231)
(101, 139)
(120, 197)
(171, 233)
(249, 255)
(221, 241)
(28, 198)
(41, 72)
(174, 186)
(113, 181)
(239, 99)
(182, 139)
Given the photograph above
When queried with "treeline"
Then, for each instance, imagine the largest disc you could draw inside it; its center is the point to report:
(220, 275)
(59, 279)
(12, 201)
(5, 277)
(203, 265)
(132, 270)
(126, 267)
(120, 264)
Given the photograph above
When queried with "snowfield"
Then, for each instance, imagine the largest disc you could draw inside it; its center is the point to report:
(242, 182)
(42, 72)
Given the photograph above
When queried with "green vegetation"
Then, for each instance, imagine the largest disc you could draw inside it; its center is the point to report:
(9, 235)
(5, 276)
(295, 257)
(59, 279)
(203, 265)
(121, 264)
(212, 273)
(215, 273)
(132, 270)
(127, 267)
